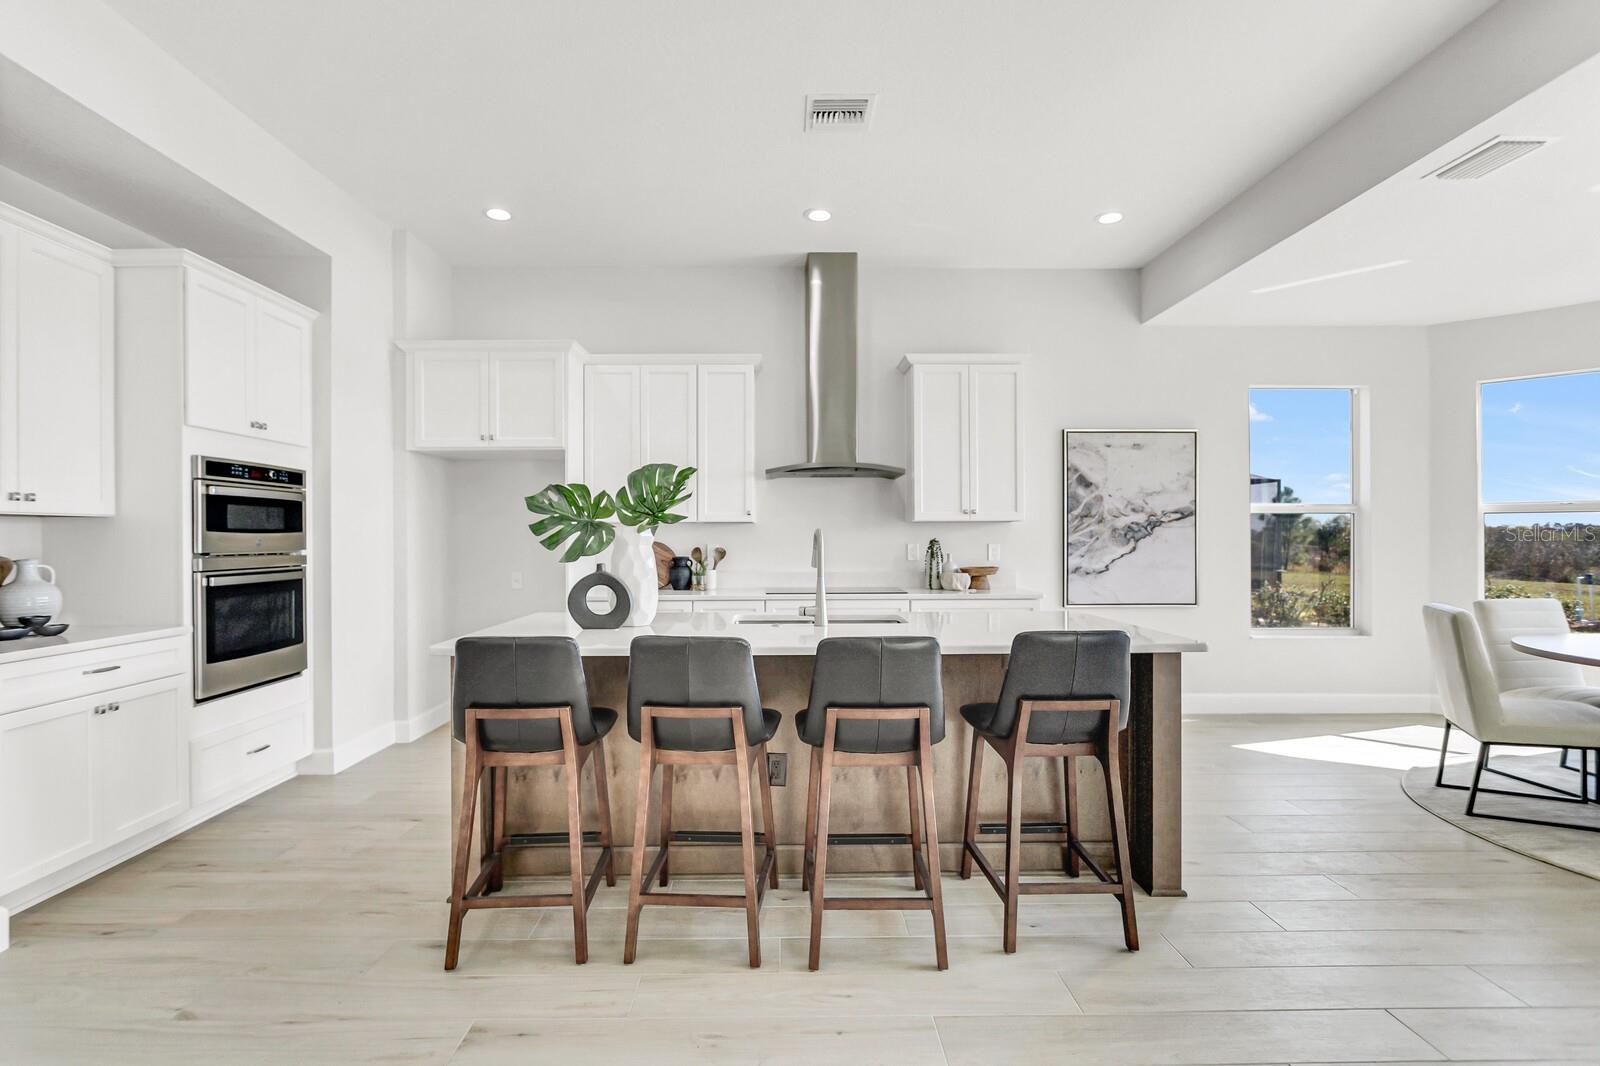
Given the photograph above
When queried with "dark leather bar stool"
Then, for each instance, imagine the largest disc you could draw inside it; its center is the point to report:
(1064, 695)
(692, 701)
(523, 702)
(875, 701)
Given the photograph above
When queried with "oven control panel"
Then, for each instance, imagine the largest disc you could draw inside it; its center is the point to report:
(228, 470)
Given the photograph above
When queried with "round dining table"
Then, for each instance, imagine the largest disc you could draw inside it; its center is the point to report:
(1580, 648)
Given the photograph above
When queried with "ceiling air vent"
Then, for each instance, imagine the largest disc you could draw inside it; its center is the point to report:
(1487, 158)
(839, 112)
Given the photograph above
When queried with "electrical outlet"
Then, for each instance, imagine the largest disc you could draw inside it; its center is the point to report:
(913, 552)
(777, 769)
(516, 579)
(994, 553)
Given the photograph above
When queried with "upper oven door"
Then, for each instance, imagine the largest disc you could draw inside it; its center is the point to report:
(235, 519)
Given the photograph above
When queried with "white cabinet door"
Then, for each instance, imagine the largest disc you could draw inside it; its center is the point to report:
(64, 419)
(46, 790)
(994, 462)
(727, 412)
(448, 396)
(219, 326)
(526, 400)
(140, 759)
(612, 443)
(939, 428)
(279, 402)
(668, 429)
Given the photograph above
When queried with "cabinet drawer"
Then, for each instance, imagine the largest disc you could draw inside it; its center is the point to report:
(250, 751)
(665, 606)
(64, 677)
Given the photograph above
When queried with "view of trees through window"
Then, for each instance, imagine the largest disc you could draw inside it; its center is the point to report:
(1540, 491)
(1302, 508)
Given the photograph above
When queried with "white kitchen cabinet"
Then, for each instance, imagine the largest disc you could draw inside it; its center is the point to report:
(694, 411)
(140, 756)
(491, 397)
(247, 355)
(57, 387)
(966, 448)
(727, 459)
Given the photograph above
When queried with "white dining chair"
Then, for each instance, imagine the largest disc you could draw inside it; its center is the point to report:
(1472, 700)
(1521, 674)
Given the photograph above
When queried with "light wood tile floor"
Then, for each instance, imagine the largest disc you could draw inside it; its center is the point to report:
(1330, 920)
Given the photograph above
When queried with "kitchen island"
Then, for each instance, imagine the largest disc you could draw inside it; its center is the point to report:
(975, 646)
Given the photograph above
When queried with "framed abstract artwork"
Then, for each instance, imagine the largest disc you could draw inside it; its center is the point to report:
(1129, 499)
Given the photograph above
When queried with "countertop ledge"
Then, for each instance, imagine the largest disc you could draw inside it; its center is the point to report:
(83, 638)
(897, 594)
(966, 632)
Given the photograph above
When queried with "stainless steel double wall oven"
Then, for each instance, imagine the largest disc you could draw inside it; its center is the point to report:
(249, 575)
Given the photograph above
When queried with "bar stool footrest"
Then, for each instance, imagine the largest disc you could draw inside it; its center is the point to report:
(999, 828)
(543, 840)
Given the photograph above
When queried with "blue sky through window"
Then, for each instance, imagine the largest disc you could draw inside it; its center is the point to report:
(1541, 439)
(1302, 438)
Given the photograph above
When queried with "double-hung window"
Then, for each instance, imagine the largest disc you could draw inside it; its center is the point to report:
(1303, 508)
(1539, 491)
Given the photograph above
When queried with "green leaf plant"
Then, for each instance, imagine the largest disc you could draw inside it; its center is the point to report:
(646, 501)
(577, 516)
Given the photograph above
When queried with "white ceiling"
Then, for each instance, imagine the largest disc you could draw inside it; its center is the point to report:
(1522, 238)
(635, 131)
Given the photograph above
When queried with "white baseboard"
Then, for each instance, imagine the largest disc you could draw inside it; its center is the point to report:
(341, 757)
(422, 723)
(1407, 703)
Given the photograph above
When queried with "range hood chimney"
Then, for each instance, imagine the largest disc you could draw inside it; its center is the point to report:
(831, 373)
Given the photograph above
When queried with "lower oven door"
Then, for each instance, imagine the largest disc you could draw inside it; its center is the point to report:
(250, 628)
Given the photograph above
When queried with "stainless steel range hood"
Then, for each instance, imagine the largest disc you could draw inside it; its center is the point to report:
(831, 373)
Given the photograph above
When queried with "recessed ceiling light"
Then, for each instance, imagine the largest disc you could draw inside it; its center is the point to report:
(819, 214)
(1110, 218)
(498, 214)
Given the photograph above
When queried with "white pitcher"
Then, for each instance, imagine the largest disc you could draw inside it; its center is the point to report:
(28, 593)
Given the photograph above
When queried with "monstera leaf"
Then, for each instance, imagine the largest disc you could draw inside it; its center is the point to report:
(646, 501)
(571, 511)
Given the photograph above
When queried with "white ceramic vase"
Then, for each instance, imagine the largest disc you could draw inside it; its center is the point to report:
(633, 562)
(30, 593)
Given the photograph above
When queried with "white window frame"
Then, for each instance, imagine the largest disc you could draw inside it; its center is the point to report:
(1517, 507)
(1357, 509)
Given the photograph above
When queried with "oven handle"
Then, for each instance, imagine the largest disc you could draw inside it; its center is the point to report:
(255, 493)
(254, 577)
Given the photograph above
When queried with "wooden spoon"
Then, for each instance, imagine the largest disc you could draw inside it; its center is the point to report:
(697, 555)
(718, 554)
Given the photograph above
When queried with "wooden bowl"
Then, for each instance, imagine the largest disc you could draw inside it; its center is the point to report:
(980, 576)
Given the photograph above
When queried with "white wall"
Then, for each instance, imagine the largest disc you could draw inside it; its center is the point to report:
(1092, 365)
(1465, 354)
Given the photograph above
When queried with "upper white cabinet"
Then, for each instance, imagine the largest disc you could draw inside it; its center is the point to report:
(57, 386)
(247, 357)
(965, 417)
(685, 410)
(487, 395)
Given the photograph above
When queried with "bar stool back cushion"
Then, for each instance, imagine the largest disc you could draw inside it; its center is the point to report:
(696, 672)
(874, 672)
(524, 672)
(1059, 666)
(1502, 621)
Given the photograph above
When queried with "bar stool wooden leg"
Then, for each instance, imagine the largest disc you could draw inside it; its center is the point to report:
(916, 833)
(1069, 855)
(819, 871)
(930, 826)
(747, 844)
(769, 817)
(502, 779)
(1013, 850)
(458, 877)
(809, 858)
(602, 803)
(641, 826)
(969, 836)
(580, 912)
(1119, 836)
(666, 821)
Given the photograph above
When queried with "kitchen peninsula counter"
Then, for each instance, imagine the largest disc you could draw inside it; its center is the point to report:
(975, 645)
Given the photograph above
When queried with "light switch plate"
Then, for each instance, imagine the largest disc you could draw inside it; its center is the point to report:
(777, 769)
(994, 553)
(913, 552)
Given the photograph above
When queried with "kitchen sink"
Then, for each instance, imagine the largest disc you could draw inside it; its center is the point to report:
(841, 619)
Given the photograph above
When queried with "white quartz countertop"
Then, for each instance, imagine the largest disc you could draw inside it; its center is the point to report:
(885, 593)
(965, 632)
(83, 638)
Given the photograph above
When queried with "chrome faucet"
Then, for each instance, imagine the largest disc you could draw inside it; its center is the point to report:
(819, 615)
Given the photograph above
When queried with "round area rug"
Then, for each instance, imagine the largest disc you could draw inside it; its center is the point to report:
(1570, 849)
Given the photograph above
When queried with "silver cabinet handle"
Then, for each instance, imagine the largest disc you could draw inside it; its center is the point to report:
(104, 669)
(113, 707)
(14, 496)
(258, 751)
(28, 497)
(263, 425)
(100, 709)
